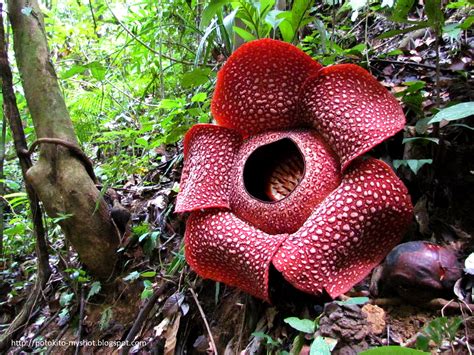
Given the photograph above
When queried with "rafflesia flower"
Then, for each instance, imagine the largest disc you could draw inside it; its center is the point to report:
(279, 180)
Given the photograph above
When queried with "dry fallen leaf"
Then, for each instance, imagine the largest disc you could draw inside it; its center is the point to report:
(375, 317)
(170, 336)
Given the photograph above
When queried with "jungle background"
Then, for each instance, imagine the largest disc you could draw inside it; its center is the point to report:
(135, 76)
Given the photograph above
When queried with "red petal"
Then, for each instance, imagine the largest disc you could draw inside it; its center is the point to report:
(351, 110)
(209, 152)
(221, 247)
(321, 176)
(349, 233)
(258, 87)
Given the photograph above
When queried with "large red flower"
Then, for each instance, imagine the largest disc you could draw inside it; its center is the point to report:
(279, 180)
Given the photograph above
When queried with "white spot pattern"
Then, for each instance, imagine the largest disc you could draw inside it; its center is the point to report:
(221, 247)
(257, 89)
(348, 247)
(350, 109)
(264, 87)
(209, 152)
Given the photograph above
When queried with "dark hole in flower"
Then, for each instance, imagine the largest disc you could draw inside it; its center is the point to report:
(274, 170)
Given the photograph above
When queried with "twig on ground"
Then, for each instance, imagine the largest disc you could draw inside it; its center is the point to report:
(60, 335)
(81, 320)
(43, 327)
(211, 339)
(142, 315)
(401, 62)
(466, 331)
(435, 303)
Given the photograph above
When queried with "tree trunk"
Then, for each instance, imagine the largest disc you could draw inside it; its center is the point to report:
(59, 178)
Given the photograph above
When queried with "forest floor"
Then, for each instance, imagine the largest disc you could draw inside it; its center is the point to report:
(178, 312)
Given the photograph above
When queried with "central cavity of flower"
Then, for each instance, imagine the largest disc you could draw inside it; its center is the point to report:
(274, 170)
(279, 178)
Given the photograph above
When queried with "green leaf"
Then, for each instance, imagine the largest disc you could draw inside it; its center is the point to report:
(298, 13)
(273, 19)
(195, 78)
(422, 342)
(65, 298)
(454, 113)
(105, 318)
(302, 325)
(359, 48)
(414, 86)
(319, 347)
(453, 30)
(169, 104)
(142, 141)
(298, 343)
(433, 9)
(64, 314)
(414, 164)
(353, 300)
(392, 350)
(97, 70)
(228, 22)
(75, 69)
(95, 289)
(14, 195)
(401, 9)
(132, 276)
(467, 23)
(199, 97)
(148, 274)
(286, 29)
(395, 52)
(211, 10)
(245, 35)
(146, 293)
(268, 339)
(426, 139)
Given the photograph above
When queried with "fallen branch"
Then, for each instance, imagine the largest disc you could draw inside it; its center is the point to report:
(436, 303)
(81, 321)
(203, 316)
(415, 64)
(142, 316)
(21, 320)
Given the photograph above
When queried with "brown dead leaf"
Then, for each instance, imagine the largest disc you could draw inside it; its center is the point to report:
(375, 317)
(170, 336)
(421, 215)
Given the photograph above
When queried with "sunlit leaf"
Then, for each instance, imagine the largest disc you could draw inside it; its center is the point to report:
(319, 347)
(245, 35)
(148, 274)
(95, 289)
(426, 139)
(401, 9)
(453, 113)
(414, 164)
(302, 325)
(353, 301)
(75, 69)
(211, 10)
(196, 77)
